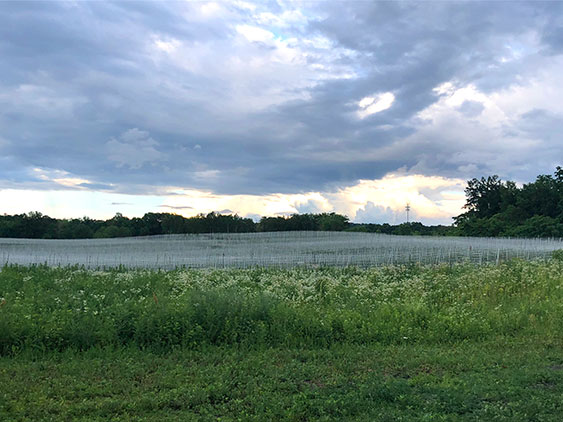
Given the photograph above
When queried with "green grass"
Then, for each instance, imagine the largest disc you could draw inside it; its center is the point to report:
(500, 379)
(398, 343)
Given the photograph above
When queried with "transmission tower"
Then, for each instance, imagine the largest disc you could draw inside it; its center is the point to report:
(407, 209)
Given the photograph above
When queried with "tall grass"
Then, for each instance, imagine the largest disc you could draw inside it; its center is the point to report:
(46, 308)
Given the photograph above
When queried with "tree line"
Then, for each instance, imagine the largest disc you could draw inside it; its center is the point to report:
(35, 225)
(493, 208)
(501, 208)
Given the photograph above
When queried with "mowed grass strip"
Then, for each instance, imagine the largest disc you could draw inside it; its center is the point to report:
(504, 379)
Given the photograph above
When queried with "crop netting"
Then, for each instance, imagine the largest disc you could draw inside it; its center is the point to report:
(278, 249)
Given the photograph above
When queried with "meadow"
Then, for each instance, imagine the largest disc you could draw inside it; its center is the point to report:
(401, 342)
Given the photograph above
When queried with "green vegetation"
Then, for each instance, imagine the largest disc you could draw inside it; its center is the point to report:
(396, 343)
(404, 229)
(35, 225)
(501, 379)
(59, 308)
(69, 308)
(497, 208)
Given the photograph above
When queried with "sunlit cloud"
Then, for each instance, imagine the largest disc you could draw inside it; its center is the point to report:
(375, 104)
(61, 177)
(433, 200)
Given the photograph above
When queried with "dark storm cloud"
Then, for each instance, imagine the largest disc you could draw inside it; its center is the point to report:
(132, 96)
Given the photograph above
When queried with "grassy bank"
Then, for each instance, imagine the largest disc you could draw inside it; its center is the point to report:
(397, 343)
(49, 309)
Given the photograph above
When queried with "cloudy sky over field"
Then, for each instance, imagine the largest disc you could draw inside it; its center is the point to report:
(274, 107)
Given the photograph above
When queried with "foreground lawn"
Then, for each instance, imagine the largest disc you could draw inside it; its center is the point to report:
(413, 343)
(500, 379)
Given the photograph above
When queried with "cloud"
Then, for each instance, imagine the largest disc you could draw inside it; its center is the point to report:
(372, 213)
(276, 98)
(177, 207)
(95, 186)
(471, 108)
(313, 206)
(433, 200)
(254, 33)
(133, 149)
(375, 104)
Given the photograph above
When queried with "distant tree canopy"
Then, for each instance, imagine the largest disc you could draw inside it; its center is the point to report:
(307, 222)
(404, 229)
(497, 208)
(38, 226)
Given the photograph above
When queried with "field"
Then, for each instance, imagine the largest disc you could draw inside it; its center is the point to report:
(404, 342)
(278, 249)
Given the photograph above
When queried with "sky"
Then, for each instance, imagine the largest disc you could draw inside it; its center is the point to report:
(275, 107)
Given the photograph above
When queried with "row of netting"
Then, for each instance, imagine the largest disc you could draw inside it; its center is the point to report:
(277, 249)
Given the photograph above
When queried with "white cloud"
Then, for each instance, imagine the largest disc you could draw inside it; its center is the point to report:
(210, 8)
(281, 20)
(372, 213)
(265, 205)
(542, 91)
(244, 5)
(59, 177)
(168, 46)
(479, 133)
(258, 64)
(431, 197)
(254, 33)
(375, 104)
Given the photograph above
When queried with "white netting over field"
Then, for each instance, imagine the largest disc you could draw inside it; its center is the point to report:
(281, 249)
